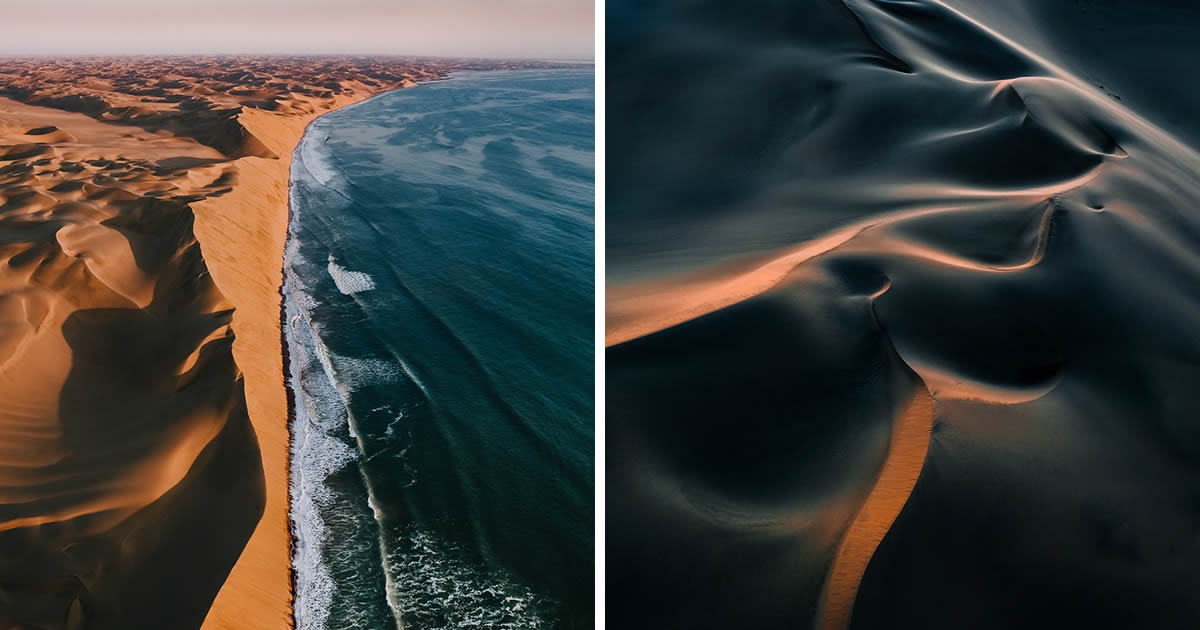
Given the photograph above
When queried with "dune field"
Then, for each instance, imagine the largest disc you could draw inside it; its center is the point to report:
(144, 438)
(902, 302)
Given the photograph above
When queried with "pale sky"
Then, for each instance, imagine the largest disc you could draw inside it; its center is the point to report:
(469, 28)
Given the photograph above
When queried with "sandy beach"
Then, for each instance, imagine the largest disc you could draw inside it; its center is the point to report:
(143, 210)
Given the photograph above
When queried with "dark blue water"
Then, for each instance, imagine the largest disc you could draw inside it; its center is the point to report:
(439, 305)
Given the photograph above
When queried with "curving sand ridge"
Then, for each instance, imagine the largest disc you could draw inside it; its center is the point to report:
(143, 439)
(906, 457)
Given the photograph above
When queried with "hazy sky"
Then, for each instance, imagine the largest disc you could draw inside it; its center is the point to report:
(484, 28)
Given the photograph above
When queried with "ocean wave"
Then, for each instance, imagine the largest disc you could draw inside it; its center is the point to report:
(320, 401)
(322, 382)
(349, 282)
(429, 583)
(316, 453)
(437, 588)
(315, 160)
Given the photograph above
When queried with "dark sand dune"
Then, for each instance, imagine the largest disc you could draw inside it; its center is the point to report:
(820, 210)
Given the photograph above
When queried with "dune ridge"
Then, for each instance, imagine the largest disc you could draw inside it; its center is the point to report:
(143, 209)
(897, 477)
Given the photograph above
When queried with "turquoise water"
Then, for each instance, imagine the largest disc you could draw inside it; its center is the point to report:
(438, 298)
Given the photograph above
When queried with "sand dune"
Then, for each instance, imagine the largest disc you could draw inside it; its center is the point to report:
(124, 407)
(878, 198)
(143, 439)
(906, 457)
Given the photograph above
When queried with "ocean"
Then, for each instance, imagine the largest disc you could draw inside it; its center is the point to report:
(438, 297)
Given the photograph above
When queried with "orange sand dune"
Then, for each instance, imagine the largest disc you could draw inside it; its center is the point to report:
(144, 438)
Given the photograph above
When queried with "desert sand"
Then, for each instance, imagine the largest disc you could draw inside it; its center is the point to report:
(144, 438)
(902, 315)
(906, 456)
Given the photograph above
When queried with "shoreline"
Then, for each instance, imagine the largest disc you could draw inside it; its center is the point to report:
(338, 567)
(251, 211)
(285, 351)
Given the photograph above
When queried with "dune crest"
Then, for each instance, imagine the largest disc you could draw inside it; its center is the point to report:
(906, 457)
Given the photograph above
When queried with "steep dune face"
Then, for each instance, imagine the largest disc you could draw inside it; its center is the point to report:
(845, 182)
(124, 427)
(143, 434)
(251, 277)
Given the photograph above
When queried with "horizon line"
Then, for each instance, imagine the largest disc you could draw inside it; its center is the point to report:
(181, 53)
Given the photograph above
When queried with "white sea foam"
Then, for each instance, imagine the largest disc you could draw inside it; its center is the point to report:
(322, 381)
(320, 411)
(427, 579)
(349, 282)
(432, 583)
(358, 372)
(316, 454)
(392, 432)
(316, 161)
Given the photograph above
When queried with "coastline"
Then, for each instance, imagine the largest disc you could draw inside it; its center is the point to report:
(289, 376)
(359, 557)
(145, 222)
(243, 235)
(286, 351)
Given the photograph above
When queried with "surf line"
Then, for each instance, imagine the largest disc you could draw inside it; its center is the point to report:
(906, 457)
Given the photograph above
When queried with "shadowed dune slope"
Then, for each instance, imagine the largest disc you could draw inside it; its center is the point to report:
(820, 210)
(124, 424)
(143, 429)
